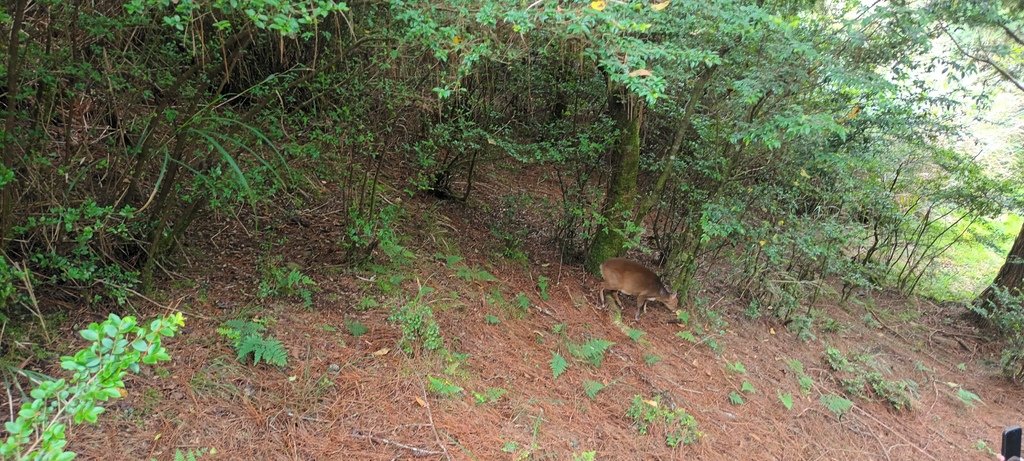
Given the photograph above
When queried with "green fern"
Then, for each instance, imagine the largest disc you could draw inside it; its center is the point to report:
(786, 399)
(967, 397)
(836, 404)
(269, 350)
(687, 336)
(591, 351)
(558, 365)
(247, 338)
(736, 367)
(236, 329)
(591, 388)
(443, 387)
(491, 395)
(585, 456)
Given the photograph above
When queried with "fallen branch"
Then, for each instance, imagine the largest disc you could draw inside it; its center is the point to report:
(417, 452)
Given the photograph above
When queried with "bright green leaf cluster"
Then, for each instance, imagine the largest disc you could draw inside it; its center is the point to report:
(118, 346)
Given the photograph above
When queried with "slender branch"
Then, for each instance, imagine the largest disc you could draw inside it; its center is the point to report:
(417, 452)
(1012, 34)
(983, 59)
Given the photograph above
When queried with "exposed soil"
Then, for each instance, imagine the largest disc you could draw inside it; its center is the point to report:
(345, 397)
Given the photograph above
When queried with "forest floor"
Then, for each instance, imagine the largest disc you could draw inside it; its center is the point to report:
(361, 397)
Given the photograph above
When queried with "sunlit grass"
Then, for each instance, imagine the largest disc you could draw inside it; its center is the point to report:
(969, 266)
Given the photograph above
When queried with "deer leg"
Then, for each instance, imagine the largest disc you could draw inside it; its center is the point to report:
(641, 305)
(618, 300)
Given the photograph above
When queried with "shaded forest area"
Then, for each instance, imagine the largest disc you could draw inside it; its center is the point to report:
(265, 166)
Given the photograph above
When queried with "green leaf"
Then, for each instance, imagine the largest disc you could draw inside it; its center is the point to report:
(747, 388)
(558, 365)
(585, 456)
(230, 160)
(687, 336)
(491, 395)
(735, 398)
(89, 335)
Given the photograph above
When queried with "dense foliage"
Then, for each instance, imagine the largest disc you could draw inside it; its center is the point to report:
(796, 144)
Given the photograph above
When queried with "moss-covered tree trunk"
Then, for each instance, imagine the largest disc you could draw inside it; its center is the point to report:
(620, 200)
(1010, 276)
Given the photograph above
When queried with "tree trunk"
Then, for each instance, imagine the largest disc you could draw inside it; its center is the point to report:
(8, 194)
(683, 261)
(1010, 276)
(620, 201)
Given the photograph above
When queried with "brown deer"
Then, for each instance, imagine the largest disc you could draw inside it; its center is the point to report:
(632, 278)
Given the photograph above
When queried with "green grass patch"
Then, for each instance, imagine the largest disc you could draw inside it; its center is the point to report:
(968, 267)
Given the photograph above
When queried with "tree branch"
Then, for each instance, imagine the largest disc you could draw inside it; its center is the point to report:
(1012, 34)
(983, 59)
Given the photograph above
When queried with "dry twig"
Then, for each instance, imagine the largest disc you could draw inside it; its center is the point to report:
(417, 452)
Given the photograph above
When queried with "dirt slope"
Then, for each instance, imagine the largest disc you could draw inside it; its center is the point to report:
(346, 397)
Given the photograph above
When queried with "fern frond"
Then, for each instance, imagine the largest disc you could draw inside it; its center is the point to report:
(273, 352)
(269, 351)
(245, 327)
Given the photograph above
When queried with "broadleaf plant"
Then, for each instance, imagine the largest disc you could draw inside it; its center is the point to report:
(118, 346)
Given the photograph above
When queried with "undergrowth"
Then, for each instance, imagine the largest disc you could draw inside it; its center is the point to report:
(678, 425)
(862, 373)
(286, 281)
(416, 319)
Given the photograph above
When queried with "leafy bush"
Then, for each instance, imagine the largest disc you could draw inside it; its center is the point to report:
(1006, 314)
(81, 242)
(508, 227)
(11, 277)
(118, 346)
(368, 230)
